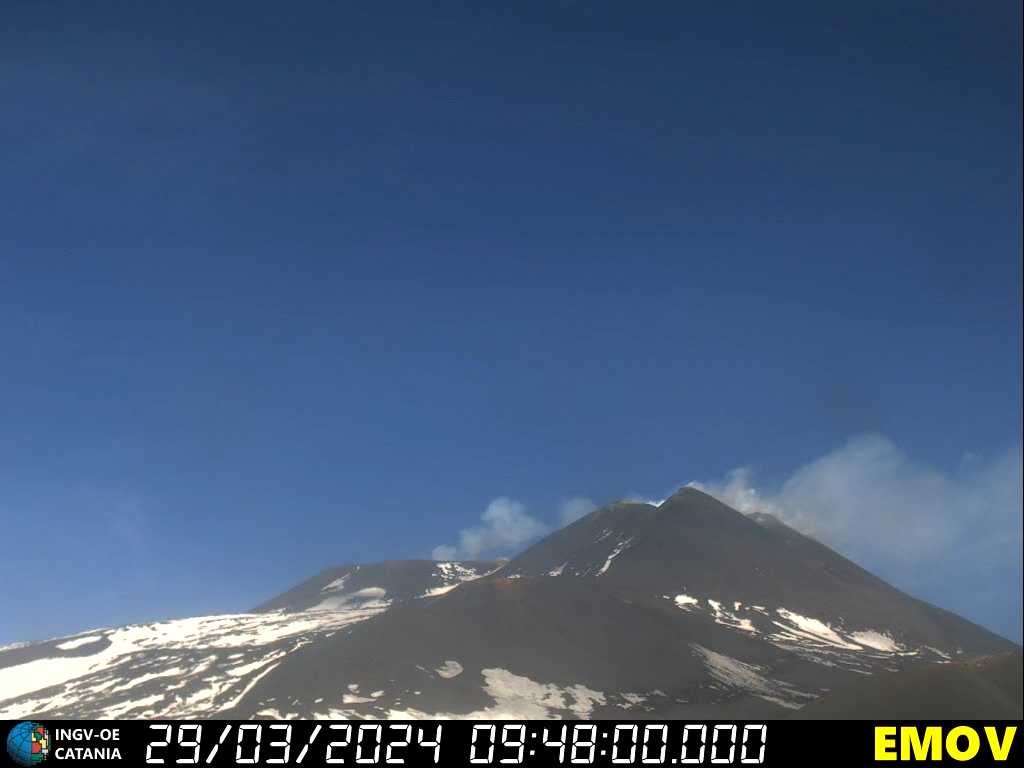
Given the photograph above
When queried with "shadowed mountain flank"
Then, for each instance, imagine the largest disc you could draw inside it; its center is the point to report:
(988, 688)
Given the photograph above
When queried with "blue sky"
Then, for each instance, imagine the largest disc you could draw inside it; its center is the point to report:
(287, 287)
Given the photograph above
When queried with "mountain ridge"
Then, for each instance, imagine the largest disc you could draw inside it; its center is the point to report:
(688, 608)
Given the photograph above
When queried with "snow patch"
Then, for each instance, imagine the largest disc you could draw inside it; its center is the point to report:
(619, 549)
(517, 697)
(880, 641)
(451, 575)
(78, 642)
(806, 628)
(727, 619)
(734, 674)
(449, 670)
(366, 598)
(351, 698)
(438, 591)
(719, 614)
(337, 585)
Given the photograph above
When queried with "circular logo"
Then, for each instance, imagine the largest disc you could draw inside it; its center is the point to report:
(28, 743)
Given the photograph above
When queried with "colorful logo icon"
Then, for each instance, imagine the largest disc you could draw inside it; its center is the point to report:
(28, 743)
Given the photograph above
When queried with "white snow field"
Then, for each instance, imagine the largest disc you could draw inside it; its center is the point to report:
(185, 667)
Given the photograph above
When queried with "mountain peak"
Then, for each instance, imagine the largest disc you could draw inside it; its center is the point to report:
(686, 493)
(688, 490)
(692, 494)
(692, 504)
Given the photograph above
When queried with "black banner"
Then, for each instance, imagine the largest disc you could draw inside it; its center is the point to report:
(532, 744)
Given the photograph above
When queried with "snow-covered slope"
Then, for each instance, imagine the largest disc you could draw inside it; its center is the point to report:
(181, 668)
(202, 665)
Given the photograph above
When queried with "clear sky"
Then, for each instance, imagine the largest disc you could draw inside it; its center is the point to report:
(283, 286)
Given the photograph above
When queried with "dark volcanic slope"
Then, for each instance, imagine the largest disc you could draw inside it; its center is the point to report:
(686, 609)
(989, 688)
(693, 544)
(540, 648)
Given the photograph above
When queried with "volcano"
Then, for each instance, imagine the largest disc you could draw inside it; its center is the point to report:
(686, 609)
